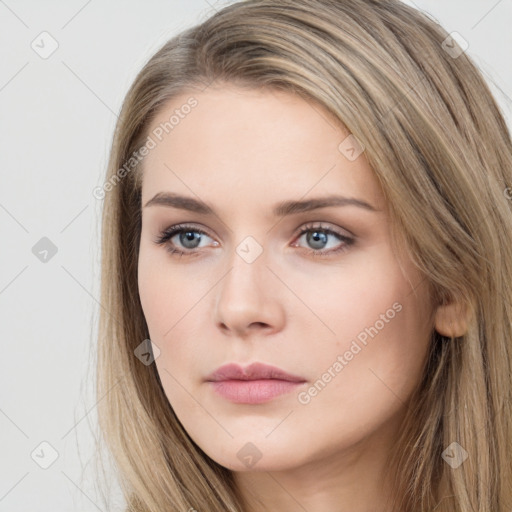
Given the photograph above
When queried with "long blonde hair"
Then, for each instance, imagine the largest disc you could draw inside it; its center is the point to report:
(440, 148)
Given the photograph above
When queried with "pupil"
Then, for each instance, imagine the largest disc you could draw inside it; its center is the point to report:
(317, 239)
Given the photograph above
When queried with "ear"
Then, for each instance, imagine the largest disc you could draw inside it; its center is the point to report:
(451, 319)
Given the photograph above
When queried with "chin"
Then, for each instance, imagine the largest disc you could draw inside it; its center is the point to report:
(251, 458)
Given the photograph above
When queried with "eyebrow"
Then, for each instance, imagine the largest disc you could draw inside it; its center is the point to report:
(280, 209)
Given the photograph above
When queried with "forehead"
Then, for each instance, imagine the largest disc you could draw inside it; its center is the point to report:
(252, 144)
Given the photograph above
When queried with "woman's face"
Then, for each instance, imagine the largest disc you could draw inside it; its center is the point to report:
(274, 266)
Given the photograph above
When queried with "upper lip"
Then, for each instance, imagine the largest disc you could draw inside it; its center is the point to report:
(254, 371)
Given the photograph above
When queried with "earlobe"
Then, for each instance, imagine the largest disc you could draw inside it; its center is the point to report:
(451, 319)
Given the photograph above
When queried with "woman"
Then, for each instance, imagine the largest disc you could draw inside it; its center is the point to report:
(307, 270)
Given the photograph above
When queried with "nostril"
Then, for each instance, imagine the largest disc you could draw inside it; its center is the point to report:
(259, 324)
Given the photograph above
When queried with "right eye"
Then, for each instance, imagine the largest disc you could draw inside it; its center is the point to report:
(188, 239)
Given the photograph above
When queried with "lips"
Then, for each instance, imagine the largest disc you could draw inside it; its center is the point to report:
(255, 384)
(255, 371)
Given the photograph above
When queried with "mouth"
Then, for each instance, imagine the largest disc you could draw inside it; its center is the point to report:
(254, 384)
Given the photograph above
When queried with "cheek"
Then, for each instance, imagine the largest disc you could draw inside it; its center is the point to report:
(346, 299)
(373, 336)
(165, 296)
(156, 296)
(173, 303)
(362, 380)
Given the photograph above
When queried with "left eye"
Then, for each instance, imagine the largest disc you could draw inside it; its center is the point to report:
(318, 239)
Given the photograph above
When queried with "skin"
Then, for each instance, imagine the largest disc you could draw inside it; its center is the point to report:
(243, 151)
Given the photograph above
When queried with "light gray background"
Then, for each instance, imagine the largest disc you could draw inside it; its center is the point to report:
(57, 120)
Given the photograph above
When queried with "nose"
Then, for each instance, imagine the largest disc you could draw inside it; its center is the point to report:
(248, 299)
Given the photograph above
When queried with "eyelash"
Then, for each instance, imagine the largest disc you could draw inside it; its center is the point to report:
(167, 234)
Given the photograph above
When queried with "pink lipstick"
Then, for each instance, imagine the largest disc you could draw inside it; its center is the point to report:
(254, 384)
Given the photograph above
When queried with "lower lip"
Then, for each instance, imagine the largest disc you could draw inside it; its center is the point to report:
(253, 391)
